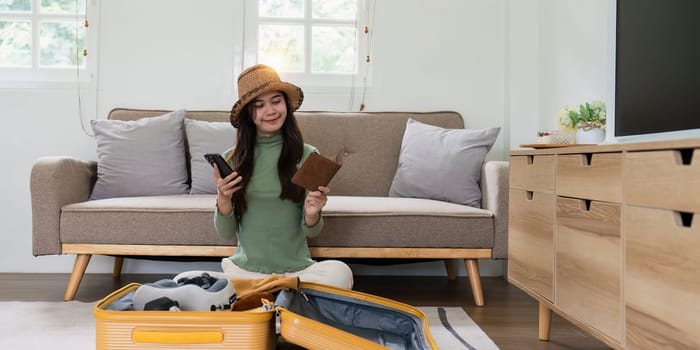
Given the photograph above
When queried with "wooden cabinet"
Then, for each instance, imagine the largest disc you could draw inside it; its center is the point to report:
(662, 279)
(608, 237)
(532, 172)
(589, 263)
(663, 179)
(595, 176)
(531, 219)
(531, 249)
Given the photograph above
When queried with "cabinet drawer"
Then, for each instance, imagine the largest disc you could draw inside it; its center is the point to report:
(532, 173)
(589, 264)
(662, 279)
(662, 179)
(531, 241)
(595, 176)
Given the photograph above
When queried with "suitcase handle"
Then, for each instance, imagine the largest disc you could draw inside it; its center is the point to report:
(175, 335)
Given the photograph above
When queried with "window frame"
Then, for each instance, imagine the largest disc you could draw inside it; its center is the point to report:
(307, 78)
(36, 75)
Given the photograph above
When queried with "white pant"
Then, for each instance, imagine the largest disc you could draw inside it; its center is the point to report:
(329, 272)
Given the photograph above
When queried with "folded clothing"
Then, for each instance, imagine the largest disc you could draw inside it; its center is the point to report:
(250, 292)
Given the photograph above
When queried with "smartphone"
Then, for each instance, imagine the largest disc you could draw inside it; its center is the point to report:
(215, 158)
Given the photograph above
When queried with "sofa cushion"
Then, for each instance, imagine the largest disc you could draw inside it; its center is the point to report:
(354, 221)
(394, 206)
(140, 158)
(349, 221)
(206, 137)
(177, 219)
(442, 164)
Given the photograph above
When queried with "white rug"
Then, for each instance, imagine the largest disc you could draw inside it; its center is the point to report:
(453, 329)
(70, 325)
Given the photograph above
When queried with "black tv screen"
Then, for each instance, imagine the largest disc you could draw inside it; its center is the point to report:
(657, 66)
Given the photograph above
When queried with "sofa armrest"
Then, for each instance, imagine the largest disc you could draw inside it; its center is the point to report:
(494, 197)
(55, 182)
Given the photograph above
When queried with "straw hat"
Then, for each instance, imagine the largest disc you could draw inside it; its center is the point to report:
(257, 80)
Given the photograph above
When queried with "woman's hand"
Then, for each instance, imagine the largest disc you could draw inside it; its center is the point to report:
(225, 188)
(314, 202)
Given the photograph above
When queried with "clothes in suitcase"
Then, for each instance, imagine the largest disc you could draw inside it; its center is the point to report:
(313, 316)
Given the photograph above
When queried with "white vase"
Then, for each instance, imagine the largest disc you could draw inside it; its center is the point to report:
(590, 136)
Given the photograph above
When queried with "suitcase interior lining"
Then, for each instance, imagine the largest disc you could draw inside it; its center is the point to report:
(371, 321)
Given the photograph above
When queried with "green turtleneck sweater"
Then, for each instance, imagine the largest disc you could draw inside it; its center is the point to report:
(272, 233)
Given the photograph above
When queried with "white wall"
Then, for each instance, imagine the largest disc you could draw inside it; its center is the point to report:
(573, 55)
(558, 56)
(498, 63)
(522, 85)
(171, 54)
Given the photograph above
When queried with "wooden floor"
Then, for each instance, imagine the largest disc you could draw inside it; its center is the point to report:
(509, 317)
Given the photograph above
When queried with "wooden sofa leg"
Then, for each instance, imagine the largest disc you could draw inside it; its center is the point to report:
(118, 263)
(451, 268)
(81, 263)
(472, 266)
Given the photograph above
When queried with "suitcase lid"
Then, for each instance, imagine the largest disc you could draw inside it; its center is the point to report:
(319, 317)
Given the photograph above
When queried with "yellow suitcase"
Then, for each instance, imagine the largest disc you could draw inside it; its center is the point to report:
(315, 316)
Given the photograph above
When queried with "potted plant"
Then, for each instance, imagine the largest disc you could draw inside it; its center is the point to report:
(588, 120)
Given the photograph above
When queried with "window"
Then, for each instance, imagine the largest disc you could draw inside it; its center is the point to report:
(43, 40)
(313, 42)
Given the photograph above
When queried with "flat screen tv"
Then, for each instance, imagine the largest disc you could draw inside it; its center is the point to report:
(657, 67)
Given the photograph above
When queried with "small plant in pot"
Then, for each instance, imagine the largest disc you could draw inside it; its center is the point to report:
(588, 120)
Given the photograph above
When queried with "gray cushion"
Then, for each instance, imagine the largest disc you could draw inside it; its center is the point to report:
(442, 164)
(140, 158)
(206, 137)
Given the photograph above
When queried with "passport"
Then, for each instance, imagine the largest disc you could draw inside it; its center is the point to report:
(317, 170)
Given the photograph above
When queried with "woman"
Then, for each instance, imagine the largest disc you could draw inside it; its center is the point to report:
(271, 217)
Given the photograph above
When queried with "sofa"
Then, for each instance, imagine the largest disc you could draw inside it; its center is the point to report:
(362, 218)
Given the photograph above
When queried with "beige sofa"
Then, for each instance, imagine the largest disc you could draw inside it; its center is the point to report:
(361, 220)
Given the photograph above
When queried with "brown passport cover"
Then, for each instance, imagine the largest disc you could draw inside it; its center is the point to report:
(317, 170)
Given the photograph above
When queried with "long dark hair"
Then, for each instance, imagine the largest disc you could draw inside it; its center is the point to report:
(243, 155)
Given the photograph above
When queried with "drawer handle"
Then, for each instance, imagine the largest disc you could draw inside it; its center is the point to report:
(684, 218)
(530, 195)
(686, 155)
(586, 159)
(585, 204)
(530, 159)
(174, 336)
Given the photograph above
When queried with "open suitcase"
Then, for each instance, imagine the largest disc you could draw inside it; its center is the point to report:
(315, 317)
